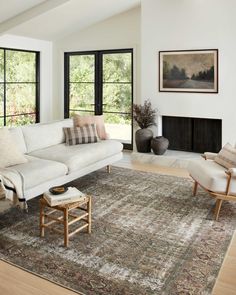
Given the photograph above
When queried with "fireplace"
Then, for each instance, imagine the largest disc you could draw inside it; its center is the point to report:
(193, 134)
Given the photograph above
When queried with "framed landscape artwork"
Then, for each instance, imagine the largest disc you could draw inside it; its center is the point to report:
(188, 71)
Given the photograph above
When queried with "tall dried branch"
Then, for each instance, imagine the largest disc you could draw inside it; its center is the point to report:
(144, 115)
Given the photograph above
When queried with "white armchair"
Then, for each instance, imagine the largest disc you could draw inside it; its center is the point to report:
(218, 181)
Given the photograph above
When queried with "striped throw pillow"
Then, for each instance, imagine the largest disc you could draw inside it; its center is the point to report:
(227, 156)
(80, 135)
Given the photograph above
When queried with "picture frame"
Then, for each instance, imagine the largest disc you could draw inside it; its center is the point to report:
(191, 71)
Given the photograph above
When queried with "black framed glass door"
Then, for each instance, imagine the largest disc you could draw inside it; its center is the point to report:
(101, 82)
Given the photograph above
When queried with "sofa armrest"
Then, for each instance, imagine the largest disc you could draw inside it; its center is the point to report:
(209, 156)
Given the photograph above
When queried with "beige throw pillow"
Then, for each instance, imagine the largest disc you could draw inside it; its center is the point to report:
(227, 156)
(9, 153)
(81, 121)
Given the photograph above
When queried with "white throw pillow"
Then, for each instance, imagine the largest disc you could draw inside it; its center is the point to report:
(227, 156)
(9, 153)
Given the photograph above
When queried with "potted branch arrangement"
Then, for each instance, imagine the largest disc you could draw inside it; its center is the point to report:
(144, 116)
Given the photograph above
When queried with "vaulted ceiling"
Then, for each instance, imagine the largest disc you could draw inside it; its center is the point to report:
(54, 19)
(11, 8)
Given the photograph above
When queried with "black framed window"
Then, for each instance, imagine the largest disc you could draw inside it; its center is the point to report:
(19, 87)
(101, 82)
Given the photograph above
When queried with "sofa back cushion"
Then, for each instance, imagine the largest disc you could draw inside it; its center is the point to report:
(18, 138)
(39, 136)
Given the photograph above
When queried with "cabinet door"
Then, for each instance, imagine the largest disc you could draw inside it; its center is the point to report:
(206, 135)
(178, 130)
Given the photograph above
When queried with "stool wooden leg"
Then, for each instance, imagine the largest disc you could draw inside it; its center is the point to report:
(89, 210)
(195, 188)
(66, 228)
(41, 220)
(108, 168)
(217, 208)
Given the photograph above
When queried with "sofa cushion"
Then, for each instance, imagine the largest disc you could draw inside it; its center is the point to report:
(39, 136)
(210, 175)
(37, 171)
(79, 156)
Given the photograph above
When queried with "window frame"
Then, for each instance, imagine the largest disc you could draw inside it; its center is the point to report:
(98, 82)
(37, 84)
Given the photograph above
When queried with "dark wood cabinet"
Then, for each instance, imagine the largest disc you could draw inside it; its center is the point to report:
(192, 134)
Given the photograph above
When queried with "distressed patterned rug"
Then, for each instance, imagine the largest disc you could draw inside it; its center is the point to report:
(149, 236)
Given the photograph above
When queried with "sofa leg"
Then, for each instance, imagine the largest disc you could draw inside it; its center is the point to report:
(195, 188)
(108, 168)
(217, 208)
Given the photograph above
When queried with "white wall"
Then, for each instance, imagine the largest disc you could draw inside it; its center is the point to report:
(191, 24)
(121, 31)
(45, 48)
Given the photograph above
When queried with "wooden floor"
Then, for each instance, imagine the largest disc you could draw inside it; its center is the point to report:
(226, 281)
(15, 281)
(127, 162)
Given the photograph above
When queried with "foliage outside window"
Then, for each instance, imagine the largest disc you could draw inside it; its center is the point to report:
(19, 87)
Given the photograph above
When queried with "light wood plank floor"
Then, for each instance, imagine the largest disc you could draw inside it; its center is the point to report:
(226, 281)
(127, 162)
(15, 281)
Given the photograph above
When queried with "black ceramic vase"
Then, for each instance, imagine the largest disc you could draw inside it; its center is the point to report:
(159, 145)
(143, 140)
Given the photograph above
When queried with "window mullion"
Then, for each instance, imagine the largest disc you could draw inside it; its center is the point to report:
(66, 85)
(98, 83)
(37, 86)
(4, 87)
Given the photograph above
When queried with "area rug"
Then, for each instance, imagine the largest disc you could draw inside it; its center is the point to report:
(149, 236)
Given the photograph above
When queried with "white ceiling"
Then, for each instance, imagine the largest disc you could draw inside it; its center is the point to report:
(10, 8)
(69, 17)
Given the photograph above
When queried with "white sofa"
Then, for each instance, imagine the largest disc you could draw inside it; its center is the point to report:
(51, 162)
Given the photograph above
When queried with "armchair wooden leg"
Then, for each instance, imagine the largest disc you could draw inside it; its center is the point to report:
(217, 208)
(195, 188)
(108, 168)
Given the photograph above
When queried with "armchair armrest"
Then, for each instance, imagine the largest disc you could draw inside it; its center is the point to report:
(231, 171)
(209, 156)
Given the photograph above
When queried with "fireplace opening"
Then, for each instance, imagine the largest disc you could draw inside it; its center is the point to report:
(193, 134)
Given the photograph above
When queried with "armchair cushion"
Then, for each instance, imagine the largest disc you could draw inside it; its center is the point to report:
(210, 156)
(211, 176)
(227, 156)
